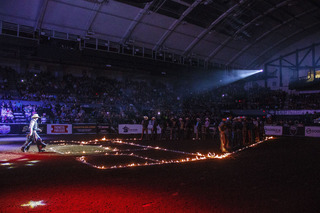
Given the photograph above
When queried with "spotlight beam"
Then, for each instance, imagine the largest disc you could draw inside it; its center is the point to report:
(236, 75)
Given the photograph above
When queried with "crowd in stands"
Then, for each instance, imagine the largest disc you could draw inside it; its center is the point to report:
(71, 99)
(4, 71)
(6, 113)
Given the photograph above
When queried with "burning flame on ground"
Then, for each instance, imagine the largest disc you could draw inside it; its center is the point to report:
(33, 204)
(198, 156)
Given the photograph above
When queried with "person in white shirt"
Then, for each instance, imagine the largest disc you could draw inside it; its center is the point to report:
(33, 135)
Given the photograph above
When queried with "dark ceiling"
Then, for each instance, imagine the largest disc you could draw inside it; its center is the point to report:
(240, 33)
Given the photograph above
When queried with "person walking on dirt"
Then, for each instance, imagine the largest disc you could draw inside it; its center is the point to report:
(33, 135)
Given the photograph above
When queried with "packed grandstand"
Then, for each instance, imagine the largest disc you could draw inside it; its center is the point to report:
(84, 99)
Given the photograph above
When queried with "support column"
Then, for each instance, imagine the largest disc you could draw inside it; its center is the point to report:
(296, 75)
(265, 72)
(280, 72)
(313, 56)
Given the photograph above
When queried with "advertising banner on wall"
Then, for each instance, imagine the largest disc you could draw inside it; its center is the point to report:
(18, 129)
(312, 131)
(84, 128)
(135, 129)
(59, 129)
(293, 130)
(293, 112)
(5, 129)
(273, 130)
(130, 128)
(106, 129)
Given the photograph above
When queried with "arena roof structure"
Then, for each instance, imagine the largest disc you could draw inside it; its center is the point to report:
(236, 33)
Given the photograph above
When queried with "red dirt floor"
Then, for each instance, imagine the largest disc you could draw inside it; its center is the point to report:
(279, 175)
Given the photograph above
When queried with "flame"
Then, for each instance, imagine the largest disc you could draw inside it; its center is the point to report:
(6, 164)
(33, 204)
(196, 156)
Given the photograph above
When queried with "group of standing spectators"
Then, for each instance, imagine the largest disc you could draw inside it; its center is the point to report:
(232, 133)
(176, 129)
(239, 132)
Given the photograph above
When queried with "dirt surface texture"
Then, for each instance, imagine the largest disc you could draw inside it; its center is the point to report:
(278, 175)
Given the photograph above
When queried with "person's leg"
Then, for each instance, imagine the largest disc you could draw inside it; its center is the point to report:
(142, 134)
(40, 144)
(26, 145)
(223, 142)
(147, 134)
(155, 133)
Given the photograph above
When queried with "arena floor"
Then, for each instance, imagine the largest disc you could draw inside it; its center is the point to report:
(90, 173)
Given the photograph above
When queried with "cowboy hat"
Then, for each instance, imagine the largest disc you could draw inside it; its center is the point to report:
(35, 116)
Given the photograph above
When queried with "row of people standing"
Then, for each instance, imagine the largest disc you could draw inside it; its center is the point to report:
(175, 129)
(234, 133)
(239, 132)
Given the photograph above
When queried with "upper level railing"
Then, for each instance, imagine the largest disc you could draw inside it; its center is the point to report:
(89, 42)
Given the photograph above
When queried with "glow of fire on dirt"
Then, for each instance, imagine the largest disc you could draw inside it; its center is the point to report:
(10, 165)
(198, 156)
(23, 159)
(33, 204)
(6, 164)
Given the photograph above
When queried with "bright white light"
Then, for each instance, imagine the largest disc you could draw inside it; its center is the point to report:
(6, 164)
(33, 204)
(246, 73)
(33, 161)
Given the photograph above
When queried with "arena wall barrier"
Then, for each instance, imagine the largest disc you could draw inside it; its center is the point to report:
(21, 129)
(106, 129)
(135, 129)
(93, 128)
(293, 112)
(53, 129)
(130, 128)
(18, 128)
(273, 130)
(293, 130)
(312, 131)
(84, 128)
